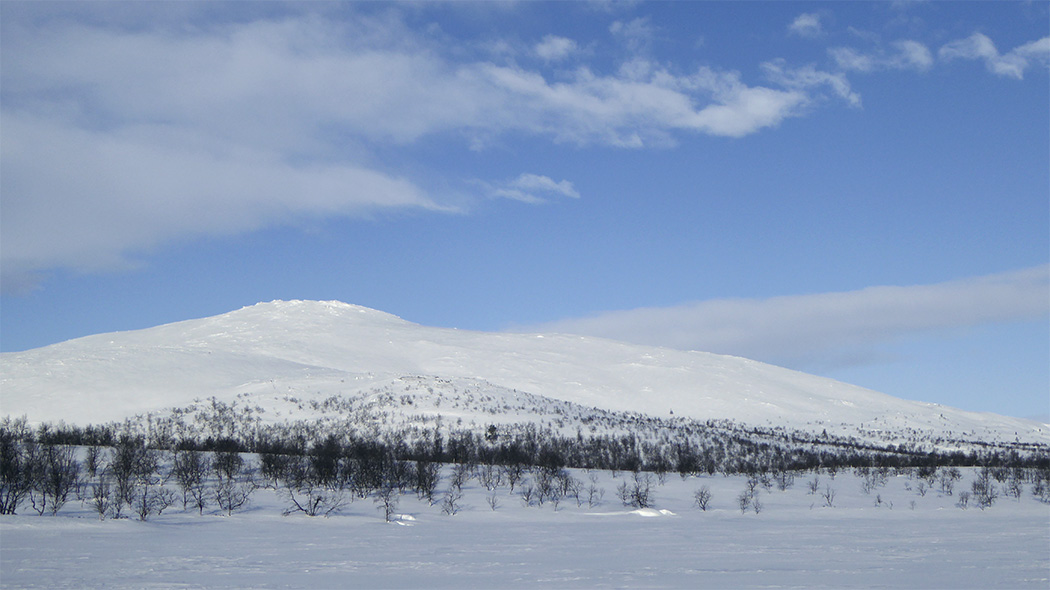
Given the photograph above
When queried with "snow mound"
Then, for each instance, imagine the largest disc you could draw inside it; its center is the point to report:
(643, 512)
(652, 512)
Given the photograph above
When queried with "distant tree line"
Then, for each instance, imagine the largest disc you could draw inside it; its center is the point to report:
(120, 471)
(726, 449)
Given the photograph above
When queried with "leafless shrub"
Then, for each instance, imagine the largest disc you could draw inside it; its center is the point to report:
(744, 500)
(947, 479)
(57, 478)
(813, 485)
(101, 499)
(489, 476)
(829, 496)
(450, 504)
(702, 497)
(152, 500)
(985, 492)
(428, 475)
(191, 472)
(313, 500)
(527, 492)
(387, 499)
(232, 495)
(638, 493)
(594, 493)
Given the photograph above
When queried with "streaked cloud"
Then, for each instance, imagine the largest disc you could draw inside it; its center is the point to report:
(527, 188)
(115, 192)
(825, 329)
(905, 55)
(1012, 64)
(120, 137)
(807, 78)
(640, 106)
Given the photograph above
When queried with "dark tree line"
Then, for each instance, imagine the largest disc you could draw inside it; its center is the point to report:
(144, 466)
(710, 450)
(318, 476)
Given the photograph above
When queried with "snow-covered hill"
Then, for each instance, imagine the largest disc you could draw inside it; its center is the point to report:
(281, 355)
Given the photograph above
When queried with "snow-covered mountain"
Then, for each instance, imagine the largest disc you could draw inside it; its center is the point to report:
(287, 357)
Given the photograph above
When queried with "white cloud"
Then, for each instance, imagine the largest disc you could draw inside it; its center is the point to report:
(744, 110)
(639, 107)
(117, 139)
(976, 46)
(1038, 50)
(806, 25)
(637, 34)
(553, 48)
(526, 187)
(807, 77)
(610, 6)
(85, 199)
(907, 55)
(911, 55)
(847, 58)
(817, 330)
(1012, 64)
(869, 36)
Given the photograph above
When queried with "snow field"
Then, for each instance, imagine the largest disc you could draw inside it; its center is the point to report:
(793, 542)
(312, 350)
(287, 359)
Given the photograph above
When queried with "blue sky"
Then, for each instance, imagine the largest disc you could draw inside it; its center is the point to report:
(858, 190)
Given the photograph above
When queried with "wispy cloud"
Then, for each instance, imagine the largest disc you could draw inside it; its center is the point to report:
(82, 198)
(639, 107)
(1012, 64)
(116, 141)
(822, 330)
(905, 55)
(527, 188)
(806, 25)
(554, 48)
(119, 137)
(808, 77)
(636, 34)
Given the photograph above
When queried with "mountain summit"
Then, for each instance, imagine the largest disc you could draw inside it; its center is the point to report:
(273, 352)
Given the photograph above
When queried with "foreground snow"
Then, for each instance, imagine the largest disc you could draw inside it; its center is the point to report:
(793, 542)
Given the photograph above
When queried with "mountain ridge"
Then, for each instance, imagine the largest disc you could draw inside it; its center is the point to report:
(319, 349)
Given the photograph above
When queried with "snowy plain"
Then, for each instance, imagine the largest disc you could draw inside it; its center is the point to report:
(907, 541)
(281, 357)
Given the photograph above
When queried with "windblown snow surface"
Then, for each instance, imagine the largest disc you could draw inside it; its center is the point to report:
(280, 356)
(907, 541)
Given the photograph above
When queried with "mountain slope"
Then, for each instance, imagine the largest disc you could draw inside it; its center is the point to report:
(316, 350)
